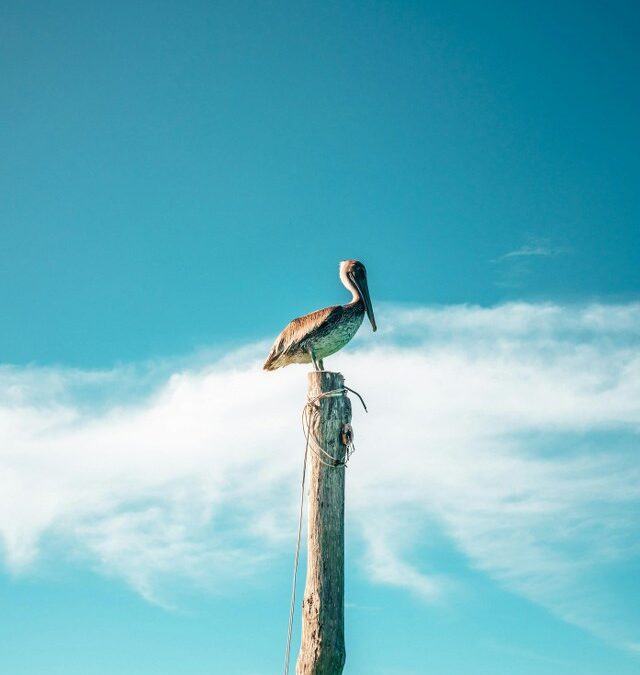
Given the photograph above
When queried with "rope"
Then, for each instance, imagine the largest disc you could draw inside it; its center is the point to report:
(311, 405)
(287, 654)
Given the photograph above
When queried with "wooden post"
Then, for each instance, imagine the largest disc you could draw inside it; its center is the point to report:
(322, 650)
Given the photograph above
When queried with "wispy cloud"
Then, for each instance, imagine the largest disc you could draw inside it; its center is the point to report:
(540, 249)
(515, 266)
(514, 430)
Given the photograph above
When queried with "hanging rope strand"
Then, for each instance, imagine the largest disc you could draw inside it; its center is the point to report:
(287, 655)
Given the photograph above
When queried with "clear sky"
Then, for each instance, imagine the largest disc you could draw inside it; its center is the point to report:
(177, 181)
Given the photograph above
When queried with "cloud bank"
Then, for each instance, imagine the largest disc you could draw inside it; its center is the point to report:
(513, 430)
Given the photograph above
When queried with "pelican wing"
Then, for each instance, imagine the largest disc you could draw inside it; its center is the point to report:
(289, 341)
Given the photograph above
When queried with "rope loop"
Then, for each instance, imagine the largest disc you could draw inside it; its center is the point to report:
(311, 410)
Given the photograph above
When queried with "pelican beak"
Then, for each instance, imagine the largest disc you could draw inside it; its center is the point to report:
(361, 282)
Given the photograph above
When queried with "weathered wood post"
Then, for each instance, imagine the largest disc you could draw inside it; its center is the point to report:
(322, 650)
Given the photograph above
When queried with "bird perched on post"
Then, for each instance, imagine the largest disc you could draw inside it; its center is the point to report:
(313, 337)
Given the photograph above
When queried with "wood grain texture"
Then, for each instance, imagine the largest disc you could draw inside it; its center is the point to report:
(322, 649)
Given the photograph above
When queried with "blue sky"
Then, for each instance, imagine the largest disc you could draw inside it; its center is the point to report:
(181, 179)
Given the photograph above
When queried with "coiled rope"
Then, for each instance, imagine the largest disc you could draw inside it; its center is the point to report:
(312, 407)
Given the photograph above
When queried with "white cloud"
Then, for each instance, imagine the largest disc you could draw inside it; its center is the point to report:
(514, 267)
(535, 247)
(534, 250)
(513, 429)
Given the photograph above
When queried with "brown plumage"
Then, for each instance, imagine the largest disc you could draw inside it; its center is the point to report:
(313, 337)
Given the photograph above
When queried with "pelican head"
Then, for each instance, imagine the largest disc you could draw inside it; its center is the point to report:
(353, 275)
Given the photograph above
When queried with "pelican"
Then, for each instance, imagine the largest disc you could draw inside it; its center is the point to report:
(313, 337)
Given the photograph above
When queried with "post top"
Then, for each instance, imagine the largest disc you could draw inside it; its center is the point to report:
(326, 379)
